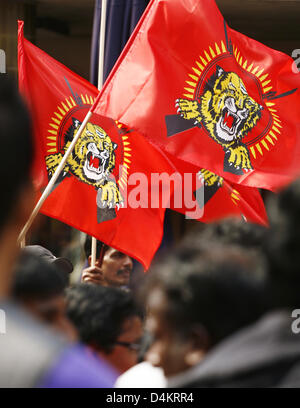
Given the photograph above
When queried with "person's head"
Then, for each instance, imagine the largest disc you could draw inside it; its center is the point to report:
(61, 264)
(116, 267)
(233, 231)
(195, 299)
(282, 246)
(39, 286)
(108, 321)
(17, 195)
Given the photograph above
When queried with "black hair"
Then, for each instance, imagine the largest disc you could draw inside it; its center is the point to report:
(98, 313)
(282, 246)
(231, 231)
(36, 279)
(88, 247)
(220, 288)
(16, 146)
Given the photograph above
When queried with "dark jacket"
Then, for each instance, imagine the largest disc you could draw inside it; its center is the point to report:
(266, 354)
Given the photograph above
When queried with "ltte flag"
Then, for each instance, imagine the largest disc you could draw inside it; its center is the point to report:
(93, 192)
(55, 95)
(208, 95)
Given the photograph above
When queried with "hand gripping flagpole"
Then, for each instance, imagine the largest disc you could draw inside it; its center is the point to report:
(100, 84)
(51, 183)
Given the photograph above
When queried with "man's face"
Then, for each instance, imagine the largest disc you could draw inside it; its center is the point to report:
(116, 268)
(125, 355)
(169, 348)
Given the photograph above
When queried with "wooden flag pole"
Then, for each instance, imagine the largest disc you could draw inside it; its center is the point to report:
(93, 252)
(51, 183)
(100, 84)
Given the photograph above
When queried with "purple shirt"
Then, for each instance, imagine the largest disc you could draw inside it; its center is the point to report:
(77, 368)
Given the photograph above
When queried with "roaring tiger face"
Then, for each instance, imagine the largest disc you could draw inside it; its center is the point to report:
(227, 111)
(93, 158)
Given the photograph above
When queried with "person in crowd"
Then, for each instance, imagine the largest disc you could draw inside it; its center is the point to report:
(30, 354)
(108, 321)
(63, 265)
(233, 231)
(197, 298)
(39, 284)
(112, 267)
(267, 352)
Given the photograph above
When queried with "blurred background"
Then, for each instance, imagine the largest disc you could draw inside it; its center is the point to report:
(63, 29)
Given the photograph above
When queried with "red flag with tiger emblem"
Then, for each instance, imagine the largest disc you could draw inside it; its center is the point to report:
(92, 193)
(208, 94)
(53, 93)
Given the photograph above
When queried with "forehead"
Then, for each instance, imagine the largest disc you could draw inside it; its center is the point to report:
(158, 321)
(112, 252)
(96, 131)
(156, 300)
(157, 306)
(233, 79)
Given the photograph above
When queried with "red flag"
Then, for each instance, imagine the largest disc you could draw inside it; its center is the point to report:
(213, 198)
(208, 94)
(59, 101)
(93, 193)
(53, 93)
(118, 213)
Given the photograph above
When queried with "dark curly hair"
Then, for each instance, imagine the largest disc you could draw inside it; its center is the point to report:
(216, 286)
(282, 246)
(37, 279)
(99, 312)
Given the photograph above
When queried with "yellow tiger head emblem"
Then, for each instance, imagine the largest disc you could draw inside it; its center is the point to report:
(93, 158)
(227, 111)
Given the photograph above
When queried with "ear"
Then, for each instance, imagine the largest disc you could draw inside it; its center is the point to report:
(199, 345)
(220, 71)
(76, 123)
(194, 357)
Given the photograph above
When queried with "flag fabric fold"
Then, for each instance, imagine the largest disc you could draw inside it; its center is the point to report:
(213, 198)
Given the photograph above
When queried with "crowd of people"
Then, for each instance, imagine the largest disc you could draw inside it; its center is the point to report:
(214, 312)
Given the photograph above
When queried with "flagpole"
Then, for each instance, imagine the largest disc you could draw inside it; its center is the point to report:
(51, 183)
(102, 44)
(100, 84)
